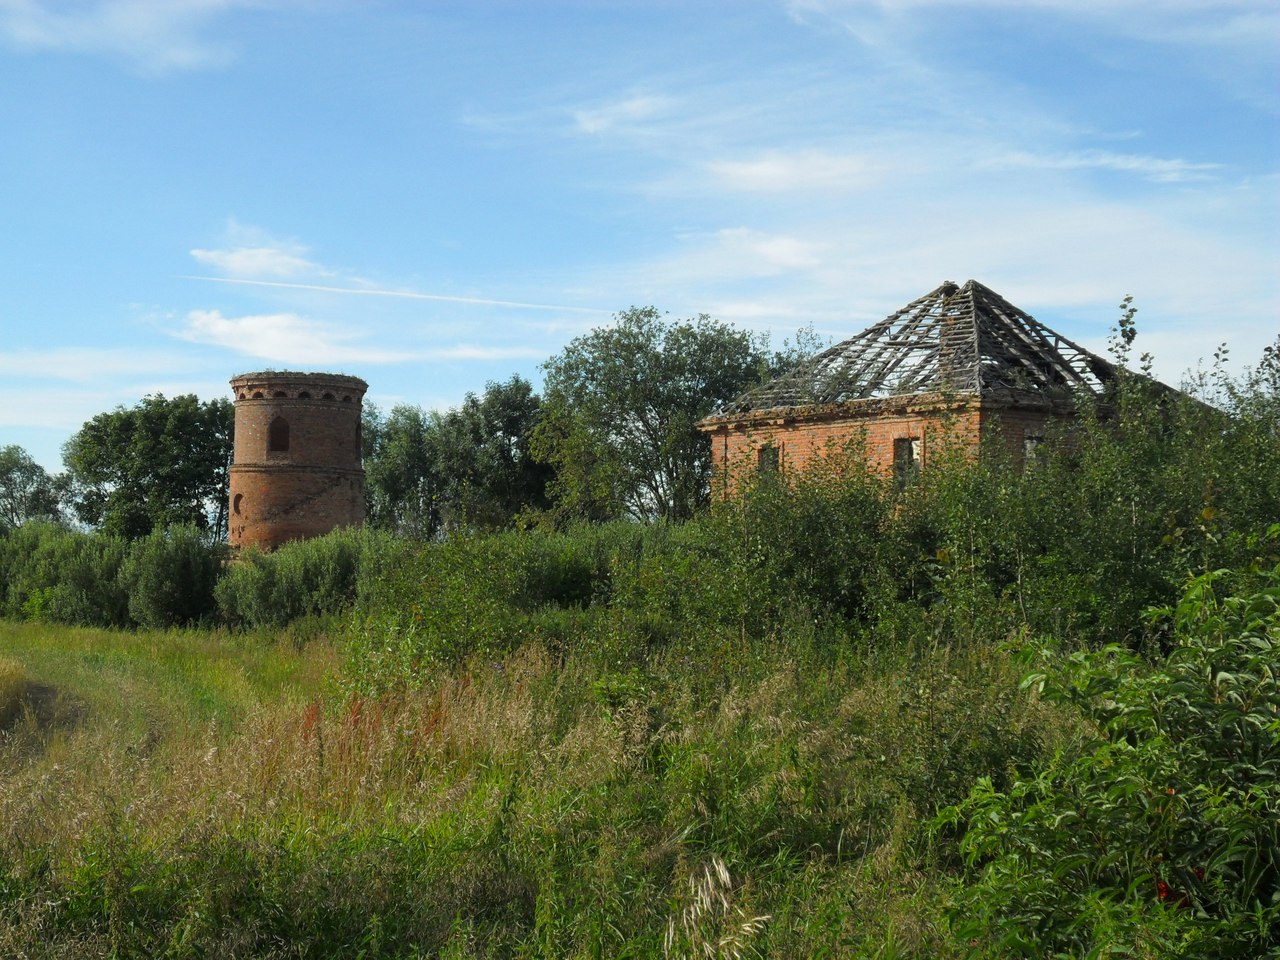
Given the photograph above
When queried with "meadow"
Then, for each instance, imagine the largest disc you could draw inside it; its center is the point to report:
(995, 713)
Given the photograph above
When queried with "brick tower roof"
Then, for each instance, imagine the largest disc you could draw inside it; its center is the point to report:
(953, 340)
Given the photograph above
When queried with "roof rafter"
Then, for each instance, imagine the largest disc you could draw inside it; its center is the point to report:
(967, 340)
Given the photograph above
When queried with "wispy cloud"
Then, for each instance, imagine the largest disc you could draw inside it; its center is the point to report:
(289, 338)
(623, 113)
(1158, 169)
(87, 364)
(246, 262)
(778, 171)
(283, 338)
(156, 36)
(369, 291)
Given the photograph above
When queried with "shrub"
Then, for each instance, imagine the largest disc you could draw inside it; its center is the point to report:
(63, 576)
(1160, 836)
(307, 578)
(170, 576)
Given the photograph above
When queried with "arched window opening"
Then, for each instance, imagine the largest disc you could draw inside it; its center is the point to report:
(235, 504)
(305, 395)
(240, 395)
(346, 399)
(257, 394)
(278, 436)
(279, 393)
(328, 396)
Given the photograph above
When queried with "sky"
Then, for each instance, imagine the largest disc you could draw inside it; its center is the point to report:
(437, 195)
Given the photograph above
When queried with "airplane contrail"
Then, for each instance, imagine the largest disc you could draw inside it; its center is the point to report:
(402, 294)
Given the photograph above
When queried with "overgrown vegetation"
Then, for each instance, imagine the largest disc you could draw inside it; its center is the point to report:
(796, 725)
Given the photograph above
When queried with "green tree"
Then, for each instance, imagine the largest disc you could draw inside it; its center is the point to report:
(27, 492)
(402, 486)
(620, 407)
(466, 467)
(481, 452)
(161, 462)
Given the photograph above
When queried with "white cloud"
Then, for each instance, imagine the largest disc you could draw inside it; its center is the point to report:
(777, 171)
(87, 364)
(1157, 169)
(283, 338)
(249, 252)
(157, 36)
(623, 113)
(288, 338)
(249, 262)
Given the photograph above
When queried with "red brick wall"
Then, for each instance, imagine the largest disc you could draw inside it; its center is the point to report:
(865, 430)
(314, 486)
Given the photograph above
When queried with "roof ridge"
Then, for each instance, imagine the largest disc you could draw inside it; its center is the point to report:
(954, 339)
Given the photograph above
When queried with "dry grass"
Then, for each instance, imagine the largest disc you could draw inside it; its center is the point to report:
(13, 684)
(508, 803)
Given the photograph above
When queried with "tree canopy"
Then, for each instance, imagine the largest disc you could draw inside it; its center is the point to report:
(468, 467)
(162, 461)
(620, 407)
(27, 492)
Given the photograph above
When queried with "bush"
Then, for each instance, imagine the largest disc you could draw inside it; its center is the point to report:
(1160, 836)
(63, 576)
(307, 578)
(170, 576)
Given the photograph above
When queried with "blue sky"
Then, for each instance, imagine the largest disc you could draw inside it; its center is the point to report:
(436, 195)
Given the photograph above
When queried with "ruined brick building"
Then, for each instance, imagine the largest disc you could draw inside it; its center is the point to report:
(937, 374)
(296, 469)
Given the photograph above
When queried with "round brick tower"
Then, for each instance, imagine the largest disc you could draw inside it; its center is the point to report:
(296, 470)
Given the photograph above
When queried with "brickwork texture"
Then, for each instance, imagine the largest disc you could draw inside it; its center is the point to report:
(296, 470)
(870, 431)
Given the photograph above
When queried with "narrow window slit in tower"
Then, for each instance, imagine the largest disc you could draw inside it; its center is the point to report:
(278, 436)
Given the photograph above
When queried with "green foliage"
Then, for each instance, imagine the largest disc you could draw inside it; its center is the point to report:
(467, 468)
(307, 578)
(620, 407)
(169, 576)
(160, 462)
(51, 573)
(1160, 835)
(26, 490)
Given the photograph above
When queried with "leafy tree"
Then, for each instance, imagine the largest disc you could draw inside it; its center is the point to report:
(27, 492)
(401, 481)
(170, 576)
(467, 467)
(481, 452)
(620, 407)
(160, 462)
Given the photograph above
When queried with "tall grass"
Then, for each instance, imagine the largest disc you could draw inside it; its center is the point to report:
(518, 806)
(13, 684)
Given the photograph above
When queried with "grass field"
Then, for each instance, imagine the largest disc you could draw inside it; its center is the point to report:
(192, 794)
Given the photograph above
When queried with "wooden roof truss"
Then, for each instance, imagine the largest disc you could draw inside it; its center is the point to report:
(962, 340)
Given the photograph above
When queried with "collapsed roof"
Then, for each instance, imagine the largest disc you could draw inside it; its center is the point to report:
(953, 340)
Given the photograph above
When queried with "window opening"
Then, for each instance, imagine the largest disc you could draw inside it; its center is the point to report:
(305, 395)
(235, 504)
(1032, 451)
(279, 393)
(767, 459)
(278, 436)
(328, 396)
(908, 452)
